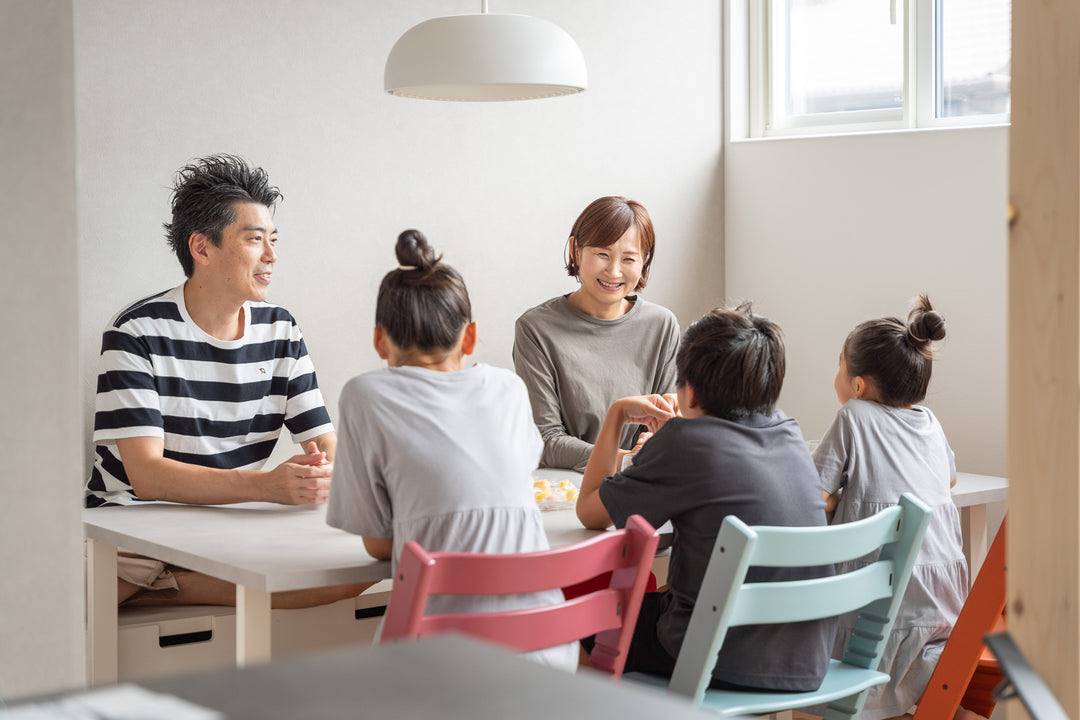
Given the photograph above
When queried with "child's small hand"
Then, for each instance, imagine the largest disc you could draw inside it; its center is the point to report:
(640, 442)
(652, 411)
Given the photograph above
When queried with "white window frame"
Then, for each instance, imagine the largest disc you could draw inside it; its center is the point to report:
(919, 82)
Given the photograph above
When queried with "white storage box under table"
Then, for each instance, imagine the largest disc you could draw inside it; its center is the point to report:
(162, 641)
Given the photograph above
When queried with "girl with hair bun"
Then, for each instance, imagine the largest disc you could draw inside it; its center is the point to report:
(881, 444)
(431, 450)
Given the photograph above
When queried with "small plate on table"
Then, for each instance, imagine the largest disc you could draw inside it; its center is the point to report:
(554, 494)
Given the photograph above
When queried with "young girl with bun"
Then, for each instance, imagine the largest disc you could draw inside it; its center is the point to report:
(881, 444)
(431, 450)
(580, 352)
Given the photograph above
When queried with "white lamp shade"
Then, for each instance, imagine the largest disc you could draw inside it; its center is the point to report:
(485, 57)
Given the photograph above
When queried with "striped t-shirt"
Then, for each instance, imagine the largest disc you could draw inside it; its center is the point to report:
(216, 403)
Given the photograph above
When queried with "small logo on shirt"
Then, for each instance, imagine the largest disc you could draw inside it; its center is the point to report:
(262, 370)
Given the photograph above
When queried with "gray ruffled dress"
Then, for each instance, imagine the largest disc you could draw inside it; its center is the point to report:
(871, 454)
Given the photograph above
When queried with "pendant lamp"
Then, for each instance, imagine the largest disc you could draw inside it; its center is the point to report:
(485, 57)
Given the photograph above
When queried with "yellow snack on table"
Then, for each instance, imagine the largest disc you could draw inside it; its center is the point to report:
(541, 489)
(554, 494)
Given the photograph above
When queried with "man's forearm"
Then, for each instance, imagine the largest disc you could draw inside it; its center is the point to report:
(174, 481)
(327, 443)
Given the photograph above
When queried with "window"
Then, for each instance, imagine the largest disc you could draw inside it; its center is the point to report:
(844, 65)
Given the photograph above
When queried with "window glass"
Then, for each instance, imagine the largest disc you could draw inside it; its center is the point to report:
(837, 56)
(851, 65)
(974, 52)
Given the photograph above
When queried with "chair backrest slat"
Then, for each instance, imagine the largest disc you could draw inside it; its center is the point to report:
(609, 613)
(535, 628)
(808, 546)
(876, 590)
(763, 603)
(513, 573)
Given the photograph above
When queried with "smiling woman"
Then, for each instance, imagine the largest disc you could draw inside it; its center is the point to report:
(578, 353)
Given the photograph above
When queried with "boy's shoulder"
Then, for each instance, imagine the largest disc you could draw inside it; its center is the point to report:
(710, 435)
(711, 424)
(691, 450)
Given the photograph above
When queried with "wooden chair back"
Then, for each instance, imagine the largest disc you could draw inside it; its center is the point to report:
(609, 612)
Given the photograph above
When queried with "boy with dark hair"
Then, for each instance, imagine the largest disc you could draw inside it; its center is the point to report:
(730, 452)
(197, 382)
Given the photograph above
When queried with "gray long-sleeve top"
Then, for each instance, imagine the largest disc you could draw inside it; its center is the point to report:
(575, 366)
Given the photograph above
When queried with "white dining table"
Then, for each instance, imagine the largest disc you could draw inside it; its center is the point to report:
(260, 547)
(264, 548)
(971, 495)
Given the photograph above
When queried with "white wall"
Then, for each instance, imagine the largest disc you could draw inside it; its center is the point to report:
(824, 233)
(112, 96)
(297, 88)
(42, 636)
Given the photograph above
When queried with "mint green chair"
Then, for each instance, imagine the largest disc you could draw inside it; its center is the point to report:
(726, 600)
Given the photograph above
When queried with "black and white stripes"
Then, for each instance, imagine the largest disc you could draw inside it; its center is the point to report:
(215, 403)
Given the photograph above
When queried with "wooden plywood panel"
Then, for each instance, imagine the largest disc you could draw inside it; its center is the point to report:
(1044, 344)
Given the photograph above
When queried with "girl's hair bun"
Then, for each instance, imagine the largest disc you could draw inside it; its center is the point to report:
(413, 251)
(925, 325)
(423, 304)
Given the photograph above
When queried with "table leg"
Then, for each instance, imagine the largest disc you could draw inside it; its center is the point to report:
(252, 626)
(101, 612)
(973, 529)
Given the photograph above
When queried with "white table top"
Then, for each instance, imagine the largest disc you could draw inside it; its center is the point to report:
(270, 547)
(263, 546)
(972, 489)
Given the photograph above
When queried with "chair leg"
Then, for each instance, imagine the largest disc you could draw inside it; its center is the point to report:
(783, 715)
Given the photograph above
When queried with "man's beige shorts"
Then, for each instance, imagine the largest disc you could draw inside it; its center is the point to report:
(149, 574)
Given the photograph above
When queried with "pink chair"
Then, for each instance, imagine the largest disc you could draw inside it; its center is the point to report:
(609, 613)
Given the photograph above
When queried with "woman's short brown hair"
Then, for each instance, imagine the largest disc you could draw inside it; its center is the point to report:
(603, 222)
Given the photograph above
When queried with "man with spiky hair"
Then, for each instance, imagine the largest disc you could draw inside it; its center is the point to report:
(197, 382)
